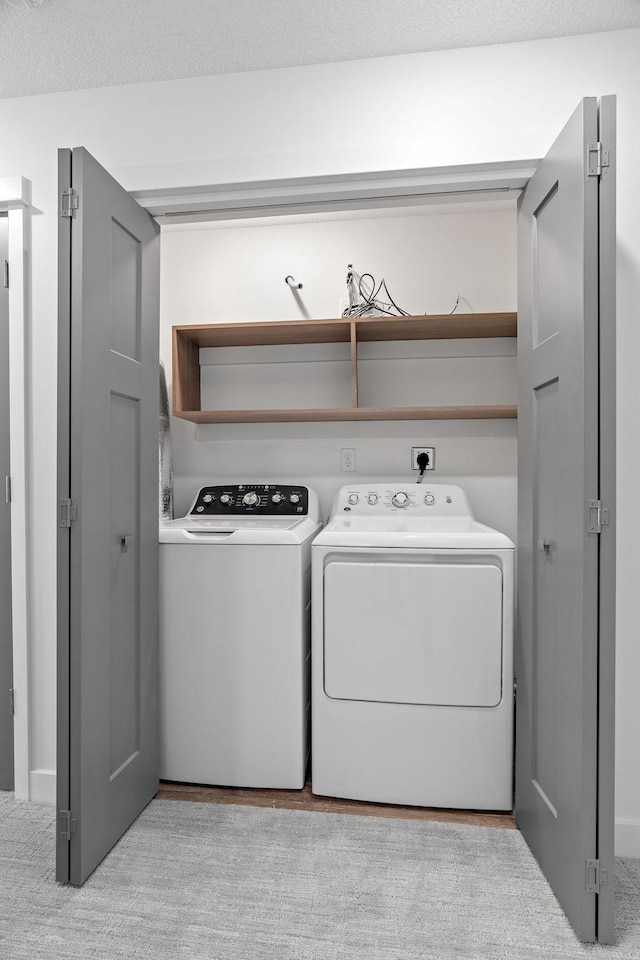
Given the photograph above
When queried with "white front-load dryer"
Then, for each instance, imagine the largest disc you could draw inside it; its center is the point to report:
(235, 633)
(412, 651)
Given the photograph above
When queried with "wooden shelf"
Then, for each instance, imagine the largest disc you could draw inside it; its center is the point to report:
(187, 341)
(436, 327)
(485, 412)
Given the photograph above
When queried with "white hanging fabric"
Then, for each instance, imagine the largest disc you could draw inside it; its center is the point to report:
(165, 453)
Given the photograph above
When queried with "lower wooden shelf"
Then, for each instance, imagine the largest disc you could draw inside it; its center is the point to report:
(475, 412)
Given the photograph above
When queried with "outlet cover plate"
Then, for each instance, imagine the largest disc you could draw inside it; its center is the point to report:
(430, 452)
(348, 460)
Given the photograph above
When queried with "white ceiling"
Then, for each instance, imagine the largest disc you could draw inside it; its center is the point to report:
(76, 44)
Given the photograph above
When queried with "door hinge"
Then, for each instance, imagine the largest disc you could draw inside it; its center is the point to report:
(7, 489)
(5, 274)
(595, 876)
(597, 516)
(68, 512)
(66, 824)
(597, 158)
(12, 701)
(69, 202)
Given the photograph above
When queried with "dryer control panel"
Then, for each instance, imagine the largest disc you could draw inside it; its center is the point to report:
(257, 499)
(376, 499)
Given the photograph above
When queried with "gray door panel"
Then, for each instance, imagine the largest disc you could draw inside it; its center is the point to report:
(6, 640)
(558, 469)
(113, 546)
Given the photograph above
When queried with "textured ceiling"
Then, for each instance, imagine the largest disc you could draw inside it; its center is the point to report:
(76, 44)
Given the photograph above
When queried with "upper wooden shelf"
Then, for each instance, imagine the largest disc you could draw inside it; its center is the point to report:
(187, 341)
(436, 327)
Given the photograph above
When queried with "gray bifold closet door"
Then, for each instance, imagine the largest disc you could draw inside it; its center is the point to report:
(108, 521)
(6, 639)
(564, 646)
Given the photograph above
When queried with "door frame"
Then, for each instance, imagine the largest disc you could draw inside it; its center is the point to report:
(500, 180)
(383, 188)
(432, 185)
(15, 200)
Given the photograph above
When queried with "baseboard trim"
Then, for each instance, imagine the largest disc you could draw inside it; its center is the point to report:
(627, 843)
(42, 786)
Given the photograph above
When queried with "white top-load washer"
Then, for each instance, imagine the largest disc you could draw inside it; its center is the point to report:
(412, 650)
(235, 636)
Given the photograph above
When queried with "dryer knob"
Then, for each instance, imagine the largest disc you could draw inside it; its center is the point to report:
(372, 498)
(400, 499)
(429, 499)
(251, 499)
(225, 498)
(353, 498)
(277, 498)
(294, 498)
(208, 498)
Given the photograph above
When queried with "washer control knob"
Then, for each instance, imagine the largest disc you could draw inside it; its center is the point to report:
(400, 499)
(429, 499)
(207, 498)
(251, 499)
(294, 498)
(372, 498)
(225, 498)
(277, 498)
(353, 498)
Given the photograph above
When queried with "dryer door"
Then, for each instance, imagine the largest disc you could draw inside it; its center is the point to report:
(407, 632)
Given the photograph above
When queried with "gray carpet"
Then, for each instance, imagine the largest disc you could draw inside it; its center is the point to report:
(197, 881)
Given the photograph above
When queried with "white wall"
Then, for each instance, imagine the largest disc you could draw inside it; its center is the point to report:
(465, 106)
(217, 273)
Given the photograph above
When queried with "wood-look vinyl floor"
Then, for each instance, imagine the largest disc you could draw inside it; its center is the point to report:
(305, 800)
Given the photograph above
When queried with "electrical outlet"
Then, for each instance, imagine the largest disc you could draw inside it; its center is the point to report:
(348, 460)
(431, 454)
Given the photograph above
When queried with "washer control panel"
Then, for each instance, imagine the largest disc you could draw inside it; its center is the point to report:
(258, 499)
(412, 499)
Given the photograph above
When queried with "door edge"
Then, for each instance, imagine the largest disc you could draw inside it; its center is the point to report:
(607, 494)
(63, 533)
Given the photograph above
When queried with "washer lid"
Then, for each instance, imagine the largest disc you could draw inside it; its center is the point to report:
(238, 530)
(247, 513)
(412, 533)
